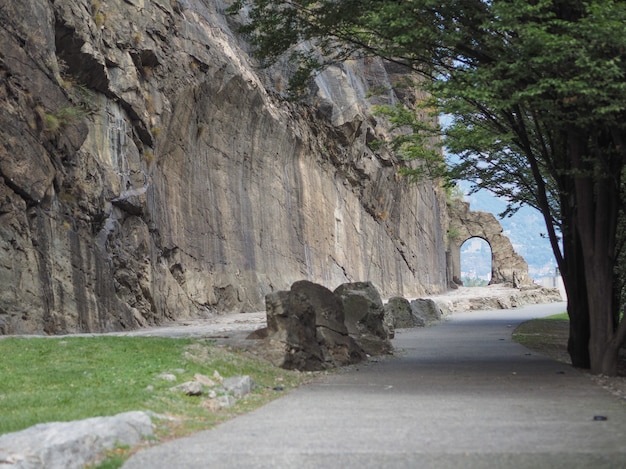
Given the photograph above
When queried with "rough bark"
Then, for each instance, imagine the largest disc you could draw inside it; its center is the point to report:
(596, 188)
(577, 305)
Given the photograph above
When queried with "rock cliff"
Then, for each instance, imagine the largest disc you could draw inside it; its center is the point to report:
(149, 171)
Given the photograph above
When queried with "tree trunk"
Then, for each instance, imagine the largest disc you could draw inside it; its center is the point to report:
(597, 194)
(603, 356)
(577, 303)
(579, 332)
(573, 273)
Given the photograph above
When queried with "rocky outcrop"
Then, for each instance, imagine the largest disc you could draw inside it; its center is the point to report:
(497, 296)
(365, 316)
(69, 445)
(506, 265)
(401, 315)
(312, 328)
(149, 172)
(420, 312)
(306, 330)
(426, 310)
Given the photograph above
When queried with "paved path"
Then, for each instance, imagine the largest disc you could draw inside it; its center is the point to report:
(458, 395)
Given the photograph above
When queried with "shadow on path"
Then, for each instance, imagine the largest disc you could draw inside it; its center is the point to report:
(458, 395)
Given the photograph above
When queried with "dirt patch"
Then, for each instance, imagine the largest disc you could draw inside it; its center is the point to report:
(545, 336)
(549, 337)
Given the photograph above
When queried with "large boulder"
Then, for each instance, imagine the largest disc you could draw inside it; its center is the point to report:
(399, 310)
(306, 330)
(365, 316)
(291, 333)
(72, 445)
(426, 310)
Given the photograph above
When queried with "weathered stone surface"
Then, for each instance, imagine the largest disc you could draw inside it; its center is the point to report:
(426, 310)
(403, 315)
(189, 388)
(390, 323)
(495, 297)
(365, 316)
(291, 333)
(506, 266)
(239, 386)
(204, 380)
(148, 172)
(306, 330)
(329, 312)
(167, 376)
(226, 401)
(68, 445)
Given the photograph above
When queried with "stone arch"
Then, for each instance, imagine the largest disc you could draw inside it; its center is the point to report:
(506, 265)
(463, 262)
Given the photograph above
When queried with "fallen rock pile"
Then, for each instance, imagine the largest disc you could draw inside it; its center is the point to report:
(312, 328)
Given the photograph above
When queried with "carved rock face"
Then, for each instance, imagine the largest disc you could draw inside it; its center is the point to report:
(507, 266)
(147, 173)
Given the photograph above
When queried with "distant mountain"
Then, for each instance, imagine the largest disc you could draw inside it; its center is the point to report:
(524, 229)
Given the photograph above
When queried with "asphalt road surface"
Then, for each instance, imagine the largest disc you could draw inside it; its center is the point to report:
(457, 395)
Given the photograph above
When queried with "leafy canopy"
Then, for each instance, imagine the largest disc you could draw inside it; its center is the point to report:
(512, 73)
(537, 94)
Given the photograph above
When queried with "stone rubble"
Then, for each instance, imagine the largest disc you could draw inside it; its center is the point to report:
(189, 388)
(74, 444)
(221, 392)
(306, 330)
(239, 386)
(204, 380)
(167, 376)
(426, 310)
(69, 445)
(498, 296)
(398, 311)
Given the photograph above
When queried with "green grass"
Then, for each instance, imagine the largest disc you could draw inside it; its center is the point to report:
(555, 317)
(48, 379)
(547, 336)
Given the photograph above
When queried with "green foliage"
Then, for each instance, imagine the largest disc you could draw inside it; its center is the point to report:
(512, 74)
(453, 233)
(113, 460)
(415, 141)
(454, 193)
(537, 96)
(66, 379)
(474, 282)
(375, 144)
(53, 122)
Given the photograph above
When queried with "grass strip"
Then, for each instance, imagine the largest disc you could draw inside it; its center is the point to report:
(547, 336)
(63, 379)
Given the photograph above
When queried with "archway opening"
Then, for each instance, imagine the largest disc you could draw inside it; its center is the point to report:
(476, 262)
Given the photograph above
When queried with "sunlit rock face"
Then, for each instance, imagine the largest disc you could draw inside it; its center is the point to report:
(149, 172)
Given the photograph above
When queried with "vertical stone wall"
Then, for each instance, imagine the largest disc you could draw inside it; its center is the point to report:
(148, 173)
